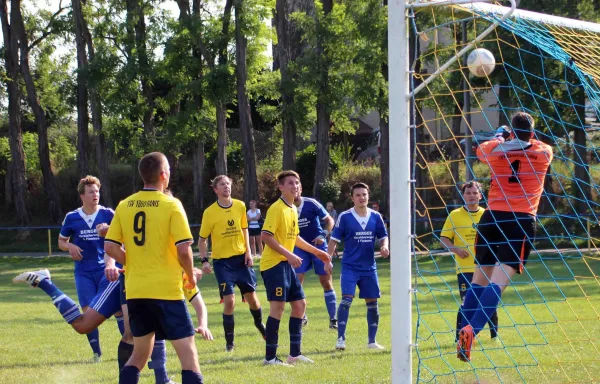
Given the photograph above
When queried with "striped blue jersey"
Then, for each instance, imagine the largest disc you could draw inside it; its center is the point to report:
(310, 214)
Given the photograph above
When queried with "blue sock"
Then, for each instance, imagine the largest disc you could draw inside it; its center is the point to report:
(158, 362)
(489, 303)
(94, 340)
(228, 327)
(129, 375)
(189, 377)
(120, 324)
(295, 336)
(373, 320)
(471, 303)
(272, 338)
(65, 305)
(330, 303)
(343, 313)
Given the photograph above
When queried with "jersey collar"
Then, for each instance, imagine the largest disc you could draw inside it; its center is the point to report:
(89, 219)
(225, 207)
(284, 202)
(360, 219)
(149, 190)
(467, 209)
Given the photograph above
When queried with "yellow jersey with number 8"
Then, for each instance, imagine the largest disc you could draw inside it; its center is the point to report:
(282, 223)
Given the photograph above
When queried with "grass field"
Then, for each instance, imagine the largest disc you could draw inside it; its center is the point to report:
(553, 338)
(37, 346)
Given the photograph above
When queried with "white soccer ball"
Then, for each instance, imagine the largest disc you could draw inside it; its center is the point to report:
(481, 62)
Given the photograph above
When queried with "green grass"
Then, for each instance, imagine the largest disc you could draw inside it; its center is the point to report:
(553, 338)
(37, 346)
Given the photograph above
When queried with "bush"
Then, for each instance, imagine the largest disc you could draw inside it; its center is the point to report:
(306, 161)
(235, 160)
(351, 174)
(329, 191)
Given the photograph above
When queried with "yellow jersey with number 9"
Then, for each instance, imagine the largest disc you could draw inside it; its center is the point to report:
(150, 225)
(282, 223)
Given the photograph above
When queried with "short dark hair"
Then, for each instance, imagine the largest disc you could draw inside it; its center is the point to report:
(359, 185)
(522, 125)
(150, 167)
(281, 176)
(470, 184)
(217, 179)
(88, 180)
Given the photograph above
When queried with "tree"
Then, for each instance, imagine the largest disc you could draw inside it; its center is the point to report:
(11, 62)
(241, 46)
(323, 107)
(289, 48)
(49, 181)
(82, 90)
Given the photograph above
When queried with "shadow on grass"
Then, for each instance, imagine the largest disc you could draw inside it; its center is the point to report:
(53, 363)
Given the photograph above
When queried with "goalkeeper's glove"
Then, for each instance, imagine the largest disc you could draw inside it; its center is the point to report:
(503, 132)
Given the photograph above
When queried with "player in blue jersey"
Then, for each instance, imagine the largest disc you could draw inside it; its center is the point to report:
(359, 228)
(310, 214)
(79, 237)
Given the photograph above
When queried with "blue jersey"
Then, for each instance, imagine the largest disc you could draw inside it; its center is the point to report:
(359, 235)
(310, 214)
(81, 229)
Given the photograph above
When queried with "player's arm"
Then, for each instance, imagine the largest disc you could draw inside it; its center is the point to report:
(186, 259)
(331, 247)
(248, 253)
(202, 315)
(328, 223)
(303, 245)
(63, 241)
(384, 248)
(484, 150)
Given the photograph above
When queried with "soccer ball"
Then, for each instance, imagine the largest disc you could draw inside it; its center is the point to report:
(481, 62)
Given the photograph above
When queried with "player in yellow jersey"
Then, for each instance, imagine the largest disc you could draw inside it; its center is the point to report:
(154, 229)
(458, 236)
(280, 234)
(226, 223)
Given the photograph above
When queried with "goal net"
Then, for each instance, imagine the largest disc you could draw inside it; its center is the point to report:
(549, 67)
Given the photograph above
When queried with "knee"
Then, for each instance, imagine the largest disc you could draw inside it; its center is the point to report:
(326, 282)
(127, 337)
(81, 327)
(299, 306)
(228, 303)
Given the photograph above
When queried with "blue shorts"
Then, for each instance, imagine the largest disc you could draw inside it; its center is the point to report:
(367, 282)
(168, 319)
(308, 261)
(107, 301)
(233, 271)
(87, 285)
(282, 284)
(464, 283)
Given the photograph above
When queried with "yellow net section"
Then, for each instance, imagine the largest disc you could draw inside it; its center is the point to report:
(549, 317)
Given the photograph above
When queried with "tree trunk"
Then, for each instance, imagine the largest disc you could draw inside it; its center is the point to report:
(82, 92)
(221, 162)
(323, 111)
(145, 72)
(198, 170)
(50, 185)
(241, 43)
(96, 107)
(504, 101)
(289, 48)
(16, 170)
(581, 183)
(455, 151)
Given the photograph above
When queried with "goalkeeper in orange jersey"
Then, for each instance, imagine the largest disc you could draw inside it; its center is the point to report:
(518, 165)
(458, 236)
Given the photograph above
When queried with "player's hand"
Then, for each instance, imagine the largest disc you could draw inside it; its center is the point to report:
(112, 273)
(190, 281)
(206, 268)
(328, 267)
(205, 333)
(249, 260)
(198, 272)
(503, 132)
(463, 254)
(385, 252)
(295, 261)
(102, 229)
(322, 255)
(75, 252)
(319, 240)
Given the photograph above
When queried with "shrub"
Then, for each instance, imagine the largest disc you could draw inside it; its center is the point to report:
(350, 174)
(306, 161)
(329, 191)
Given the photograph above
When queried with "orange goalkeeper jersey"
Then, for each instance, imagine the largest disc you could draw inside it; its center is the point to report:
(517, 172)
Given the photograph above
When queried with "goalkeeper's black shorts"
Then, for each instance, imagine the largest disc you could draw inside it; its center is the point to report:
(505, 238)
